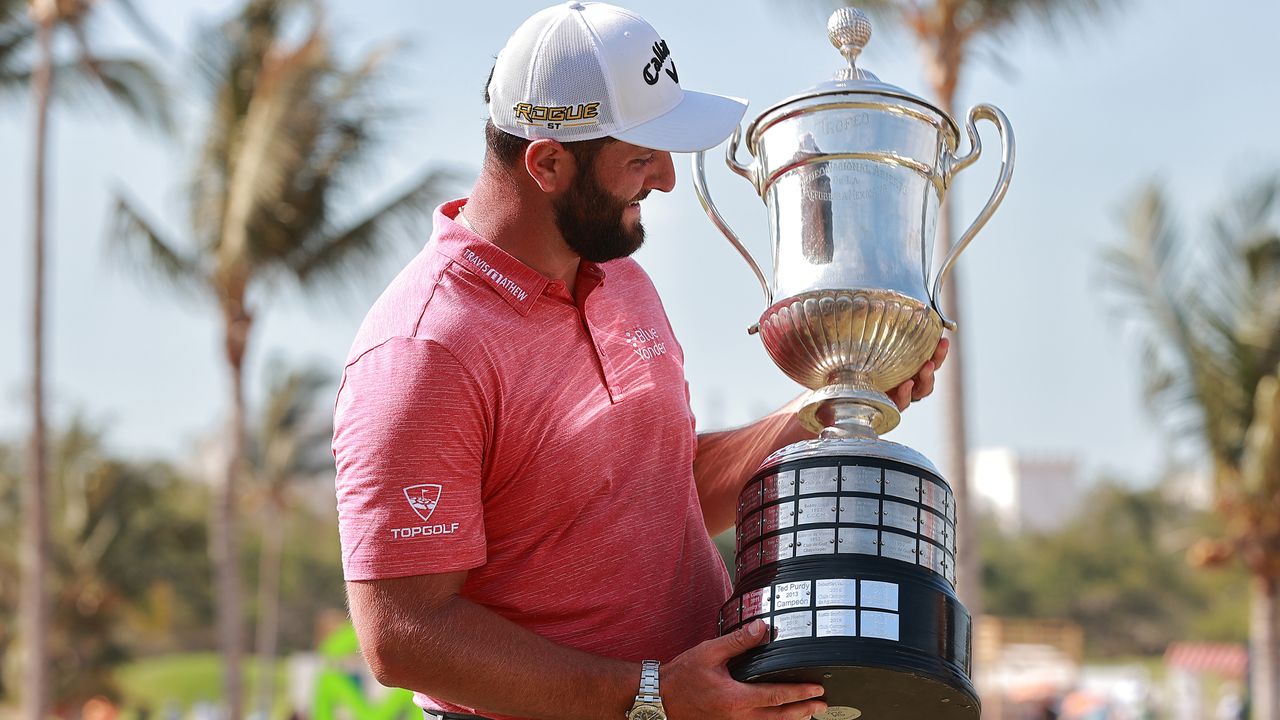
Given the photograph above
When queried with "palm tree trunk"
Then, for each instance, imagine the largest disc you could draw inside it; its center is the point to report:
(226, 556)
(35, 612)
(944, 72)
(269, 606)
(1264, 649)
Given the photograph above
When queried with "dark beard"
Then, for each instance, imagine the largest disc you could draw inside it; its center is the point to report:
(590, 221)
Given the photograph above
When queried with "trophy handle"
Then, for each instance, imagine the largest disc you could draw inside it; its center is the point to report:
(700, 187)
(993, 114)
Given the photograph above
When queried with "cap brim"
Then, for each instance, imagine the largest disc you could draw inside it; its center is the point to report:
(699, 122)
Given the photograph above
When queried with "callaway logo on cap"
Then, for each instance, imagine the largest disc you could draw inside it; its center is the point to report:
(586, 70)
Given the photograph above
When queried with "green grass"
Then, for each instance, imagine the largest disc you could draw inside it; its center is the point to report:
(156, 682)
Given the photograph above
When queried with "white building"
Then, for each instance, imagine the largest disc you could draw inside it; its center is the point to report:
(1025, 493)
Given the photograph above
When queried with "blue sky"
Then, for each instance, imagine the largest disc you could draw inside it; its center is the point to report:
(1179, 92)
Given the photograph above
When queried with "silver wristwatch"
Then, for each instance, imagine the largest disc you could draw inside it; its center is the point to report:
(648, 705)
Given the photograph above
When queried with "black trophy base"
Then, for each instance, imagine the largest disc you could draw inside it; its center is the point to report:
(875, 693)
(850, 561)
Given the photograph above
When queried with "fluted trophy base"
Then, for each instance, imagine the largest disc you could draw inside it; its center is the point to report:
(849, 407)
(846, 549)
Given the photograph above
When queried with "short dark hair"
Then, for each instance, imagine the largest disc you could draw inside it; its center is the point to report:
(509, 149)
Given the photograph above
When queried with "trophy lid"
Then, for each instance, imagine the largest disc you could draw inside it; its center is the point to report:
(849, 30)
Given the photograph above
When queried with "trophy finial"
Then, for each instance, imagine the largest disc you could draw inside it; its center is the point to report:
(849, 30)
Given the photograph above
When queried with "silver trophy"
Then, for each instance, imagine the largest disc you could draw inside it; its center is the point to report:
(846, 543)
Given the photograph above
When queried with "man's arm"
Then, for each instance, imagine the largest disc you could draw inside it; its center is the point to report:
(726, 458)
(418, 633)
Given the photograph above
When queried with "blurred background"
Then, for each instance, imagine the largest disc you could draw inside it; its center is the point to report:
(204, 198)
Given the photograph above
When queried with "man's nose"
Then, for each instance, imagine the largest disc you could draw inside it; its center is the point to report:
(663, 177)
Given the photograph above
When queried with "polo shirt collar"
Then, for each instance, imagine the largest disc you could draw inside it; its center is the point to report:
(517, 283)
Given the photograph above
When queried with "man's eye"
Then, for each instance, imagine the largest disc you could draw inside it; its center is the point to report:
(643, 161)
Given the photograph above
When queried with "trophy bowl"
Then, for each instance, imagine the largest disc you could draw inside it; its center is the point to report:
(853, 172)
(850, 343)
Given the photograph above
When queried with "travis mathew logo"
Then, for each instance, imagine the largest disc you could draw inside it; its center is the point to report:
(654, 66)
(644, 343)
(423, 499)
(498, 278)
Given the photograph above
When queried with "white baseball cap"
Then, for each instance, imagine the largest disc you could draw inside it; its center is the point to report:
(586, 70)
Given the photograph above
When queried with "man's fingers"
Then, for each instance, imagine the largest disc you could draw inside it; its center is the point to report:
(737, 642)
(902, 395)
(801, 710)
(924, 382)
(790, 698)
(940, 353)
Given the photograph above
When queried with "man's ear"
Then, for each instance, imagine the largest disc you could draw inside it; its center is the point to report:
(550, 165)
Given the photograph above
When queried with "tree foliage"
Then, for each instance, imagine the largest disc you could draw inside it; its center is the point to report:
(1205, 311)
(128, 564)
(1119, 569)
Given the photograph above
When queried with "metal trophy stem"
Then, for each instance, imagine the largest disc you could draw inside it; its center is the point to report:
(846, 543)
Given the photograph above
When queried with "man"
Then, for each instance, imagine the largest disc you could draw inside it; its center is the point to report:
(524, 505)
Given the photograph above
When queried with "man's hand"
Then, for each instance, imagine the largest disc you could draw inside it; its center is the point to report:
(697, 685)
(921, 385)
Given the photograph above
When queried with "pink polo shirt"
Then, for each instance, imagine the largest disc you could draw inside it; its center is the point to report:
(489, 421)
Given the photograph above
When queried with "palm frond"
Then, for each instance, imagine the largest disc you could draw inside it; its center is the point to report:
(272, 140)
(126, 83)
(16, 35)
(1260, 466)
(292, 440)
(132, 237)
(143, 26)
(336, 134)
(348, 253)
(1208, 332)
(229, 58)
(1053, 17)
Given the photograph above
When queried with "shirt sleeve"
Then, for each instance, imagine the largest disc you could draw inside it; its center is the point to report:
(410, 429)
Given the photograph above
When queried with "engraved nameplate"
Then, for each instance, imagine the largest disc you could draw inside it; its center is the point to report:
(756, 603)
(818, 510)
(780, 516)
(858, 540)
(792, 595)
(878, 625)
(748, 559)
(837, 623)
(779, 486)
(898, 547)
(837, 591)
(933, 526)
(858, 478)
(787, 626)
(900, 515)
(879, 595)
(731, 613)
(816, 542)
(749, 498)
(778, 547)
(749, 529)
(931, 556)
(819, 480)
(933, 495)
(860, 510)
(902, 485)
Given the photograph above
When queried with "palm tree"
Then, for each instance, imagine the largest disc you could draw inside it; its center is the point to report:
(132, 85)
(290, 447)
(289, 127)
(947, 33)
(1206, 310)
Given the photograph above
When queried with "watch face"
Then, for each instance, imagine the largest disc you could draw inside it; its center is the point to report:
(647, 712)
